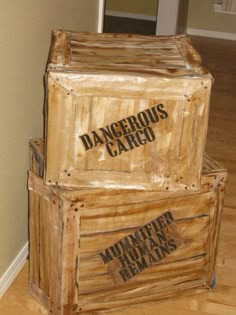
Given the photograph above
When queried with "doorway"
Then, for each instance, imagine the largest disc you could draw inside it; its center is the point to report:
(128, 16)
(168, 17)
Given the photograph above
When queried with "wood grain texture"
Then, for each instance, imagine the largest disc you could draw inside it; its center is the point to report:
(79, 281)
(136, 119)
(219, 56)
(40, 261)
(177, 53)
(95, 198)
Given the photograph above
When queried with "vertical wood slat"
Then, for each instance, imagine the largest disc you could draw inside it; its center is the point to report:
(215, 232)
(40, 256)
(34, 239)
(56, 238)
(71, 257)
(44, 251)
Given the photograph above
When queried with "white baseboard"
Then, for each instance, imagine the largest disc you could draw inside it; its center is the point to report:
(218, 8)
(213, 34)
(130, 15)
(13, 270)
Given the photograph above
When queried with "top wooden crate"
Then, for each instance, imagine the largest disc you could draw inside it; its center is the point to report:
(125, 111)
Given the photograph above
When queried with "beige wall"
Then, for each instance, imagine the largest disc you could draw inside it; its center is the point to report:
(201, 15)
(24, 42)
(148, 7)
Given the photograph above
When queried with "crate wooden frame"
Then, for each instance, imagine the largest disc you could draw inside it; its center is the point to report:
(94, 80)
(69, 227)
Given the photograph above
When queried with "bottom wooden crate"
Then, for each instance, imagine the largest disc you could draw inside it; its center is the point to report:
(96, 250)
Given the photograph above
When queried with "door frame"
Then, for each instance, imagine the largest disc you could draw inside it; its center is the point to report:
(101, 12)
(167, 17)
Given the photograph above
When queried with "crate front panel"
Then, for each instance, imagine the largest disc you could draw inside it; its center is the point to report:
(111, 137)
(188, 267)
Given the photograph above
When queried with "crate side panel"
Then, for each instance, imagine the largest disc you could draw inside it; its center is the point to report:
(44, 250)
(178, 290)
(70, 257)
(56, 241)
(122, 217)
(194, 134)
(60, 156)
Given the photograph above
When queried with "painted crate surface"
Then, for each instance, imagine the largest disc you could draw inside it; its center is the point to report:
(37, 156)
(125, 111)
(81, 258)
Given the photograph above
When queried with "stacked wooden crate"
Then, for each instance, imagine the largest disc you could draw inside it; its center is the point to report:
(125, 207)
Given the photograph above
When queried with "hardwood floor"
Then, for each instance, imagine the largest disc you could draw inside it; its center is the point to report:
(220, 57)
(114, 24)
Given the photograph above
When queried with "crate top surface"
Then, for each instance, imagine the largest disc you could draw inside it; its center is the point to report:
(80, 52)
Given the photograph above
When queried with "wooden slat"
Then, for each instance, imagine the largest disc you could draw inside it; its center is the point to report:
(122, 217)
(34, 238)
(104, 283)
(56, 241)
(44, 249)
(91, 243)
(100, 307)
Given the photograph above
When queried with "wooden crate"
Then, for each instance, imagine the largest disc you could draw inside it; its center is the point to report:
(74, 232)
(125, 111)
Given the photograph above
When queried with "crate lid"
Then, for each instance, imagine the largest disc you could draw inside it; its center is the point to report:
(172, 56)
